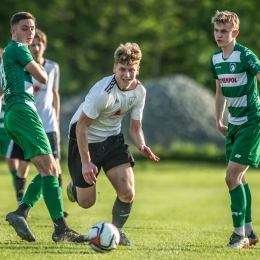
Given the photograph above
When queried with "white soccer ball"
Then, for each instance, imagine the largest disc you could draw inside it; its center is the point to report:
(103, 237)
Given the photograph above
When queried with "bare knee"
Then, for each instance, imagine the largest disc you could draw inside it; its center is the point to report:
(127, 196)
(86, 203)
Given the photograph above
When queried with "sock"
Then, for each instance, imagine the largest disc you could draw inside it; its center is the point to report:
(60, 180)
(248, 228)
(238, 205)
(60, 224)
(52, 196)
(121, 212)
(23, 210)
(248, 217)
(240, 231)
(14, 178)
(20, 187)
(33, 192)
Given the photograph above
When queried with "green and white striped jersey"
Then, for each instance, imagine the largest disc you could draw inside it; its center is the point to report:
(236, 75)
(16, 81)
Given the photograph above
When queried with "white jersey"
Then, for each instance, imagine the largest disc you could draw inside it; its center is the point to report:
(43, 95)
(107, 104)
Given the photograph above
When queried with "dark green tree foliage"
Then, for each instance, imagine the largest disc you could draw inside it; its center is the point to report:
(176, 36)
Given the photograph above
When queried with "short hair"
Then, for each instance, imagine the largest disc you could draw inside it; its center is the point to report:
(41, 36)
(226, 17)
(16, 18)
(128, 54)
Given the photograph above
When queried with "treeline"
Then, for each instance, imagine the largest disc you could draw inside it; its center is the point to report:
(176, 36)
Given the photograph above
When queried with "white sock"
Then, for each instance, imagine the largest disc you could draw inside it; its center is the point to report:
(248, 228)
(240, 230)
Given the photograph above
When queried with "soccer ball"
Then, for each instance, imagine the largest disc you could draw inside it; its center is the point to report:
(103, 237)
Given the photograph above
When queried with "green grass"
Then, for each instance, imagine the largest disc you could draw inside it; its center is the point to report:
(181, 211)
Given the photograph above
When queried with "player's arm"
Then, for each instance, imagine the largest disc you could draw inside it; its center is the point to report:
(89, 170)
(220, 104)
(37, 71)
(56, 104)
(137, 136)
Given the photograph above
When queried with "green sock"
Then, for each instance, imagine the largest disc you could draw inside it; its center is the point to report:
(33, 192)
(238, 205)
(248, 217)
(52, 196)
(14, 177)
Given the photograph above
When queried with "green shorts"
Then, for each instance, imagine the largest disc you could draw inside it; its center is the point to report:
(4, 141)
(24, 126)
(243, 144)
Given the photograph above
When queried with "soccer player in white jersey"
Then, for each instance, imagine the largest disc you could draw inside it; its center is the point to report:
(236, 70)
(96, 140)
(47, 100)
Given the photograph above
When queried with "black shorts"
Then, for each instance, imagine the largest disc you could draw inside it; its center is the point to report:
(16, 152)
(107, 154)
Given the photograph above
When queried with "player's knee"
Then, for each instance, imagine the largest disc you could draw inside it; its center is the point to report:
(86, 203)
(128, 196)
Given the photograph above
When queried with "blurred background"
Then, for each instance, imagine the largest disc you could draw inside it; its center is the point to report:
(176, 39)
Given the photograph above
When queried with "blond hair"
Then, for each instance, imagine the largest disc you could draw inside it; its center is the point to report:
(226, 17)
(128, 54)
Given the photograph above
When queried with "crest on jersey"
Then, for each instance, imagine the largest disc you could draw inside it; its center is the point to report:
(131, 100)
(232, 67)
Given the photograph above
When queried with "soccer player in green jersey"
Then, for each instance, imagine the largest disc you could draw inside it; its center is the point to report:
(236, 70)
(23, 125)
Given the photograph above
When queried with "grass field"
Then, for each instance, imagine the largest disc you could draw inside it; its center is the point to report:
(181, 211)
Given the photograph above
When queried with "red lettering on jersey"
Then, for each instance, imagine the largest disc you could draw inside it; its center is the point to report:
(116, 114)
(228, 80)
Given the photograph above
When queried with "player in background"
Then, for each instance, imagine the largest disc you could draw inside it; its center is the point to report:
(47, 100)
(95, 138)
(236, 70)
(4, 138)
(24, 126)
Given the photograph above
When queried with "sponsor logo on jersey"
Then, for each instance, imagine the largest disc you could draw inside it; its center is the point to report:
(117, 101)
(116, 114)
(131, 100)
(228, 80)
(252, 64)
(232, 67)
(218, 67)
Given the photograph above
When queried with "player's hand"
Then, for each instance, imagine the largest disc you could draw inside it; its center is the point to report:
(89, 172)
(147, 153)
(223, 129)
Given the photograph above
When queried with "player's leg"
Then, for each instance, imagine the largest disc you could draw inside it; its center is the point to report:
(36, 146)
(55, 147)
(11, 162)
(122, 179)
(253, 238)
(78, 189)
(118, 163)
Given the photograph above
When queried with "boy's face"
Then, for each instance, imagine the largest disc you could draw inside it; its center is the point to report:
(125, 75)
(24, 31)
(224, 34)
(37, 49)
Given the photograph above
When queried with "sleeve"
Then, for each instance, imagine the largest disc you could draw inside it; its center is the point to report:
(137, 111)
(213, 71)
(22, 54)
(250, 62)
(94, 103)
(56, 83)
